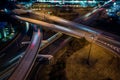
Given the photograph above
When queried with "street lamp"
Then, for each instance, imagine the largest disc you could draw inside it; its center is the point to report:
(88, 59)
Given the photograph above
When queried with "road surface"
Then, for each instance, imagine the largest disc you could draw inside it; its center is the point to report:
(79, 31)
(26, 63)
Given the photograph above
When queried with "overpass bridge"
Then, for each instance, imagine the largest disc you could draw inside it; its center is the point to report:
(78, 30)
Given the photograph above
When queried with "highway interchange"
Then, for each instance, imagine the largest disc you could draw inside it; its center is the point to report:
(67, 27)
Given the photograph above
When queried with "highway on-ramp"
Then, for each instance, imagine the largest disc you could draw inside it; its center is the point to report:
(23, 68)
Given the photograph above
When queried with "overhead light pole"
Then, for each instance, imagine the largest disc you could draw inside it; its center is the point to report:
(91, 43)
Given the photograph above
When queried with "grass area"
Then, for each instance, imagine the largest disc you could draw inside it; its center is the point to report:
(71, 63)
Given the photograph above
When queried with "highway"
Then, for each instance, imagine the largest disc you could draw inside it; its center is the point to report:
(53, 27)
(38, 16)
(78, 31)
(12, 52)
(26, 63)
(10, 66)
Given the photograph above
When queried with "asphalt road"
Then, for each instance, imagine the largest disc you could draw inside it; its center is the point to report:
(12, 52)
(26, 63)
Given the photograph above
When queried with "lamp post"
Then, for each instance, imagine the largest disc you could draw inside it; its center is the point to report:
(88, 59)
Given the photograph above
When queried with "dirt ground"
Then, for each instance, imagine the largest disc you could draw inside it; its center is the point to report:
(101, 65)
